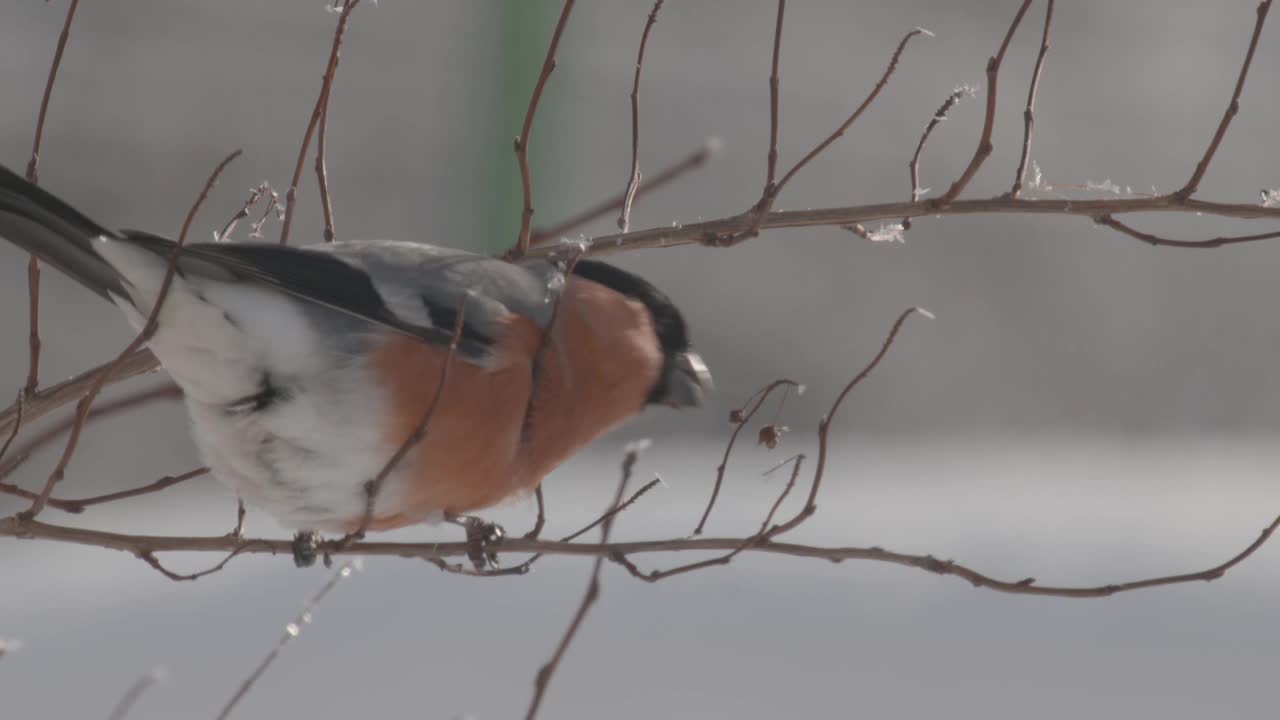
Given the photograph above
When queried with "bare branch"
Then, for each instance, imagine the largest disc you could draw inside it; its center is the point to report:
(770, 190)
(824, 425)
(291, 631)
(33, 174)
(542, 515)
(1233, 107)
(319, 111)
(690, 162)
(135, 693)
(68, 391)
(1028, 115)
(633, 179)
(853, 117)
(85, 404)
(1150, 239)
(374, 486)
(134, 544)
(988, 124)
(322, 175)
(522, 140)
(727, 230)
(589, 598)
(913, 167)
(739, 417)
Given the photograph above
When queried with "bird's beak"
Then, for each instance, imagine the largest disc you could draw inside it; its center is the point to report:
(688, 381)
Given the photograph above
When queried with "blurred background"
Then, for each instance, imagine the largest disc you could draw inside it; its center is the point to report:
(1086, 409)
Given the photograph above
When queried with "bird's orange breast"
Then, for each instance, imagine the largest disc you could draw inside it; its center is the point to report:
(599, 364)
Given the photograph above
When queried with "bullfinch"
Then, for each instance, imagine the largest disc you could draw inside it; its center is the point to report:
(305, 368)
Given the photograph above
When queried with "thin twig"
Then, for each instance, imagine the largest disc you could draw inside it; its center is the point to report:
(545, 673)
(291, 631)
(100, 411)
(86, 403)
(857, 113)
(322, 174)
(824, 425)
(134, 544)
(1150, 239)
(689, 162)
(739, 417)
(541, 520)
(633, 179)
(1028, 115)
(521, 143)
(774, 85)
(33, 176)
(33, 173)
(762, 535)
(68, 391)
(149, 558)
(985, 145)
(913, 167)
(1233, 107)
(320, 109)
(136, 691)
(374, 487)
(78, 505)
(726, 230)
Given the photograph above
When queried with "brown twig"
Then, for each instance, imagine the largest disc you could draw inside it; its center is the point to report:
(1150, 239)
(135, 693)
(33, 173)
(913, 167)
(545, 673)
(1028, 115)
(149, 558)
(133, 544)
(33, 264)
(78, 505)
(68, 391)
(291, 631)
(102, 410)
(824, 425)
(86, 403)
(762, 535)
(726, 230)
(633, 179)
(692, 161)
(739, 417)
(374, 487)
(255, 228)
(541, 520)
(322, 174)
(771, 170)
(853, 117)
(320, 109)
(985, 145)
(1233, 107)
(521, 143)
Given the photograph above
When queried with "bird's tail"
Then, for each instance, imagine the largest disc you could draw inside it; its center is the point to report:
(55, 232)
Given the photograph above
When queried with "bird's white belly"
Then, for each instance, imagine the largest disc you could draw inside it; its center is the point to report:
(306, 458)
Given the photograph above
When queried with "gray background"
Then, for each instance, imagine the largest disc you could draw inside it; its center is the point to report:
(1086, 409)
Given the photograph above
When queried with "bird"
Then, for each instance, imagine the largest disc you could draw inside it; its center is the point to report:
(305, 368)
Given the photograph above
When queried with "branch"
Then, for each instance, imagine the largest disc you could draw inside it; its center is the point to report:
(1028, 115)
(913, 167)
(739, 417)
(134, 544)
(1150, 239)
(319, 111)
(771, 190)
(692, 161)
(984, 140)
(68, 391)
(85, 404)
(545, 673)
(33, 174)
(522, 140)
(1233, 107)
(725, 230)
(633, 179)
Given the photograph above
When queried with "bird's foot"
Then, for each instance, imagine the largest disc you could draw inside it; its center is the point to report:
(306, 548)
(481, 535)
